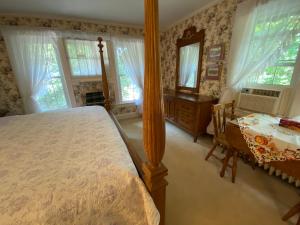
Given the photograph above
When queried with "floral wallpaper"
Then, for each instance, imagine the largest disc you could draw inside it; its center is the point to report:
(10, 99)
(217, 22)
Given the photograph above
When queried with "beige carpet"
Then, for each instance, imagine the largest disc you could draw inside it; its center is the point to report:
(196, 195)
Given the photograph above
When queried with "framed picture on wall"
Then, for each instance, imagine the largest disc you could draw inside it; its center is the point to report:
(213, 72)
(216, 52)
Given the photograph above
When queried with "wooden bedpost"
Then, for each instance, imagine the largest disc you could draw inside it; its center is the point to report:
(104, 77)
(154, 171)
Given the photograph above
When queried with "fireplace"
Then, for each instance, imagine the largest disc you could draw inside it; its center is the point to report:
(94, 98)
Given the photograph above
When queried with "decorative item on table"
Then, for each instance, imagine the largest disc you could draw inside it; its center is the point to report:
(216, 52)
(213, 72)
(290, 124)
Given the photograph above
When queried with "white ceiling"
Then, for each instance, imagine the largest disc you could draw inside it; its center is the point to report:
(118, 11)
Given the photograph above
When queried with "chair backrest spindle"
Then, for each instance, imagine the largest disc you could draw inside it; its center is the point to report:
(222, 112)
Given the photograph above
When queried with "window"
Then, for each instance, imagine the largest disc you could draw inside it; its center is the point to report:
(52, 95)
(129, 55)
(84, 57)
(281, 72)
(129, 91)
(35, 59)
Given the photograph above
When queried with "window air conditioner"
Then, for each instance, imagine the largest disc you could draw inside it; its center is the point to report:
(264, 100)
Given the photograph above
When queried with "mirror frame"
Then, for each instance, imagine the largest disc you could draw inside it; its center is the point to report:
(190, 36)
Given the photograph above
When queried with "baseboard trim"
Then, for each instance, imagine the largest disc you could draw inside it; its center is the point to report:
(124, 116)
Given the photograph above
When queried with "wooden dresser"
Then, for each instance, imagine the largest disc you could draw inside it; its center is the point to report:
(191, 113)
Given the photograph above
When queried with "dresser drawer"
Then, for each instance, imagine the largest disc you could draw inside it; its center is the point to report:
(186, 114)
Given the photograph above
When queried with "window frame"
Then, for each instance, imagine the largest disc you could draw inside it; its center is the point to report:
(83, 78)
(281, 86)
(61, 77)
(75, 80)
(125, 101)
(293, 77)
(119, 97)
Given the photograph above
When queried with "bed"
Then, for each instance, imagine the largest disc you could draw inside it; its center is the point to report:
(69, 167)
(57, 171)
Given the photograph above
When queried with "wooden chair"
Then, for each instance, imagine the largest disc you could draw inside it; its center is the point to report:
(220, 113)
(292, 212)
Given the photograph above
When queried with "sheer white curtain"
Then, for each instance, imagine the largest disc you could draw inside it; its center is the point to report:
(131, 52)
(189, 56)
(262, 31)
(294, 104)
(31, 53)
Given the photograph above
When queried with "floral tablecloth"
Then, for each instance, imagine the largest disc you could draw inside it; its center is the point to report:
(267, 140)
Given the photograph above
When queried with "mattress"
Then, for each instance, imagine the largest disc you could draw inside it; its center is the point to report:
(69, 167)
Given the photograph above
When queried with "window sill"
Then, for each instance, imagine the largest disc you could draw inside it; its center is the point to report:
(86, 79)
(126, 103)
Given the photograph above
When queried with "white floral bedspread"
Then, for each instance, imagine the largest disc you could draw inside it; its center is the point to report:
(69, 168)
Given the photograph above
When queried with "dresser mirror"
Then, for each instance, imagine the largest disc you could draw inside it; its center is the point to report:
(189, 60)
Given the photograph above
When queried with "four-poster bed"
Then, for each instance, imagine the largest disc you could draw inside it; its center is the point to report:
(72, 166)
(152, 171)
